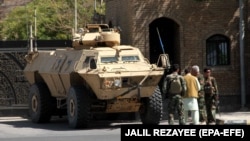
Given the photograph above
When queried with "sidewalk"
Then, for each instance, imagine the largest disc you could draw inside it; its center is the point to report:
(16, 110)
(242, 118)
(226, 118)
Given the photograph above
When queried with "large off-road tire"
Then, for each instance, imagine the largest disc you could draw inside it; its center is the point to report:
(151, 109)
(40, 103)
(78, 107)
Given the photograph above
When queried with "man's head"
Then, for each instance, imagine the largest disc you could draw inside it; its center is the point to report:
(187, 70)
(195, 70)
(176, 67)
(207, 72)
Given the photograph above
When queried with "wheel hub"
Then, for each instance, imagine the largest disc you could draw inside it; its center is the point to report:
(34, 103)
(72, 107)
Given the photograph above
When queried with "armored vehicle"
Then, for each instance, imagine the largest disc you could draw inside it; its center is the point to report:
(96, 75)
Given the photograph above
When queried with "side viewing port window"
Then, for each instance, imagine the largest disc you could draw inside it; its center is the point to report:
(92, 63)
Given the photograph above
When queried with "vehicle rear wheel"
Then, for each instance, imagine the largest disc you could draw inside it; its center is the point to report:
(151, 110)
(40, 103)
(78, 107)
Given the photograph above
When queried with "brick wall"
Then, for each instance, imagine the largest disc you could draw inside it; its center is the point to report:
(197, 22)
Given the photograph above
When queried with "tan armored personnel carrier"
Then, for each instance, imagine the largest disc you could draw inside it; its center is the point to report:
(96, 75)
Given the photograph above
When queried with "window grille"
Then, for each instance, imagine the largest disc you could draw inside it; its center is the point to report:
(217, 51)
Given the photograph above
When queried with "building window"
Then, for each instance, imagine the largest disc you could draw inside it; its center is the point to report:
(217, 51)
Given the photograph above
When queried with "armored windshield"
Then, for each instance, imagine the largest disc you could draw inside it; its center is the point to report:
(130, 58)
(123, 59)
(109, 59)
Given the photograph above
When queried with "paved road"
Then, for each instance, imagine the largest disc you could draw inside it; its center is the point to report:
(18, 128)
(21, 129)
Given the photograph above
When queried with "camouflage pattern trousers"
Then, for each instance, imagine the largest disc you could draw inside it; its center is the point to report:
(175, 104)
(202, 108)
(210, 108)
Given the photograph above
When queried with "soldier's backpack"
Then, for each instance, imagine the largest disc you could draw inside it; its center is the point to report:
(175, 86)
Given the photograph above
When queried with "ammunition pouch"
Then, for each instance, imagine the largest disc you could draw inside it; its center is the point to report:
(201, 94)
(208, 89)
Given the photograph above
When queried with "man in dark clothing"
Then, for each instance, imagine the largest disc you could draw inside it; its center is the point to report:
(211, 96)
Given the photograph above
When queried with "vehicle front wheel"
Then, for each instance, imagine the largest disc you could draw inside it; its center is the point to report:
(151, 109)
(78, 108)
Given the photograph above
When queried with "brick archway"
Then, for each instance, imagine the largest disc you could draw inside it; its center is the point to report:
(166, 40)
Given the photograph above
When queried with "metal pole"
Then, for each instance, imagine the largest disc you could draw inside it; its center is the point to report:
(27, 28)
(31, 39)
(242, 64)
(75, 15)
(35, 49)
(95, 5)
(101, 5)
(162, 46)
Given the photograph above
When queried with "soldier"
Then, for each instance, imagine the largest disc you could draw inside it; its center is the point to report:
(175, 98)
(201, 98)
(211, 96)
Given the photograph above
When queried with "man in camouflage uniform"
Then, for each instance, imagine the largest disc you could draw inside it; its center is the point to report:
(175, 99)
(201, 98)
(211, 96)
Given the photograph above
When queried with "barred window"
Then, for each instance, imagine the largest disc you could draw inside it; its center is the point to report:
(217, 50)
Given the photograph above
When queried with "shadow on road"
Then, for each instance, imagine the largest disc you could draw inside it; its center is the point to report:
(61, 123)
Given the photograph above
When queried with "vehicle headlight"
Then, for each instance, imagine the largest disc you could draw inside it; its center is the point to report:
(117, 83)
(112, 83)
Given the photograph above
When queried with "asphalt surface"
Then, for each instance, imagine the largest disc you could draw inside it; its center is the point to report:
(15, 126)
(237, 117)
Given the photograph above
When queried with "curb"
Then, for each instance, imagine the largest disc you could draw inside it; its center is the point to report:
(13, 111)
(237, 122)
(233, 122)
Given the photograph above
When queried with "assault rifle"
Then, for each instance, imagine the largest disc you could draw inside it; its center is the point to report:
(217, 107)
(217, 103)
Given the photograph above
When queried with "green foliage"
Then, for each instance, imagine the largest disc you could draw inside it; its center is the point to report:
(101, 8)
(54, 19)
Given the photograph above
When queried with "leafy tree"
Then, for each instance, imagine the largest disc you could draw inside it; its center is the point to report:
(54, 19)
